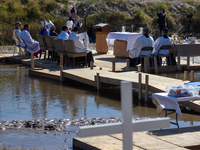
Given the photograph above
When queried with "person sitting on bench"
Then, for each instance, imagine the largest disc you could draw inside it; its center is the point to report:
(142, 41)
(79, 47)
(64, 33)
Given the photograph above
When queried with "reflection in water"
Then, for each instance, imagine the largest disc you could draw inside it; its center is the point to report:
(30, 98)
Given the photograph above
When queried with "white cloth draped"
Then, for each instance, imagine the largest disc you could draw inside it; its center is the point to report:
(141, 42)
(63, 36)
(160, 42)
(33, 46)
(84, 36)
(79, 47)
(125, 36)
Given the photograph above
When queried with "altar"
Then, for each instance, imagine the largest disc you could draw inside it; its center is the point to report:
(122, 41)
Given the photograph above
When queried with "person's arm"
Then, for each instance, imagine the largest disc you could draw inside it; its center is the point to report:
(137, 43)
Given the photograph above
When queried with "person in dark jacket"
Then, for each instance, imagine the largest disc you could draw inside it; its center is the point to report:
(92, 33)
(162, 19)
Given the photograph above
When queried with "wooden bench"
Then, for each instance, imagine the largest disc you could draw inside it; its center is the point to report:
(50, 47)
(42, 44)
(60, 49)
(71, 52)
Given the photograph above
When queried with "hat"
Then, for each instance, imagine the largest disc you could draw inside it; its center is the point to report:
(73, 10)
(69, 24)
(17, 23)
(46, 23)
(50, 24)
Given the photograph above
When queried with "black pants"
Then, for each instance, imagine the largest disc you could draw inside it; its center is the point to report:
(89, 58)
(133, 61)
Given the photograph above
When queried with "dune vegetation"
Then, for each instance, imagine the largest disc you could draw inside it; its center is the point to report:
(115, 12)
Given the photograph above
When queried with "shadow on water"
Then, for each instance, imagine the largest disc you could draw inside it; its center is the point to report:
(32, 98)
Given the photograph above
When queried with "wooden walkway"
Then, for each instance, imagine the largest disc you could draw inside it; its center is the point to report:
(176, 139)
(107, 77)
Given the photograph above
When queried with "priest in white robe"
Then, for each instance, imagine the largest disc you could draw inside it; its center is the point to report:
(79, 46)
(142, 41)
(32, 45)
(163, 40)
(17, 30)
(64, 33)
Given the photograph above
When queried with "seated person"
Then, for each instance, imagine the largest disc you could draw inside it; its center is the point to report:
(92, 34)
(69, 25)
(33, 46)
(17, 30)
(46, 28)
(163, 40)
(52, 29)
(79, 47)
(142, 41)
(64, 33)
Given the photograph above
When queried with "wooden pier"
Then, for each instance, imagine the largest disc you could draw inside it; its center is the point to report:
(177, 139)
(103, 76)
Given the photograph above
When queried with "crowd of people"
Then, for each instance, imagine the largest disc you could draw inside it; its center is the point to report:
(73, 27)
(69, 31)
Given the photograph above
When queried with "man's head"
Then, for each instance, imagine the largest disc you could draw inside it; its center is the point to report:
(92, 25)
(53, 28)
(27, 27)
(164, 31)
(162, 10)
(75, 29)
(145, 31)
(18, 25)
(65, 28)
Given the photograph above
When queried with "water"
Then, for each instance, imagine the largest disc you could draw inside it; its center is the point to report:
(31, 98)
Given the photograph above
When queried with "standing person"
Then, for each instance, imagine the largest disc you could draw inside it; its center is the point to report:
(33, 46)
(69, 25)
(76, 23)
(46, 28)
(92, 33)
(52, 29)
(79, 47)
(17, 30)
(162, 19)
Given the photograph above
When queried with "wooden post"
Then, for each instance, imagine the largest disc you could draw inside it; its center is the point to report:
(192, 76)
(139, 68)
(61, 59)
(98, 82)
(146, 64)
(113, 66)
(185, 75)
(127, 64)
(146, 87)
(61, 73)
(139, 86)
(155, 64)
(127, 104)
(188, 62)
(179, 63)
(32, 61)
(91, 65)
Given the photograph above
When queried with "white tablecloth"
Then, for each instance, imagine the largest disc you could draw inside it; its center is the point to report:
(125, 36)
(168, 102)
(84, 36)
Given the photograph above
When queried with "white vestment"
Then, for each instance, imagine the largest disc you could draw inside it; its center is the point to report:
(63, 36)
(16, 33)
(79, 47)
(141, 42)
(33, 46)
(160, 42)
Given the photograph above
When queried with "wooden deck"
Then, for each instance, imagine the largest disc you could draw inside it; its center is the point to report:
(107, 77)
(177, 139)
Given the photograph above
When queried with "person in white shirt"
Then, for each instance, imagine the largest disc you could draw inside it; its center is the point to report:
(79, 47)
(64, 33)
(141, 42)
(17, 30)
(33, 46)
(163, 40)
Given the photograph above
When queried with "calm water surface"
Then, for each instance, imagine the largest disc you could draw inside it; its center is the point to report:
(29, 98)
